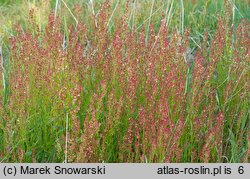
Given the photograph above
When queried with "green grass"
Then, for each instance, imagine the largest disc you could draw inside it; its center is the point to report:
(109, 107)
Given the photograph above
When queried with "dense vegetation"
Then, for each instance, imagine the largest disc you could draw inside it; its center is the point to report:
(124, 81)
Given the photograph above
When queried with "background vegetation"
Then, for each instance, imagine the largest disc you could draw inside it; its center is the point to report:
(124, 81)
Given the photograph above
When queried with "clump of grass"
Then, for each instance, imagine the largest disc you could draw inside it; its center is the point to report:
(126, 96)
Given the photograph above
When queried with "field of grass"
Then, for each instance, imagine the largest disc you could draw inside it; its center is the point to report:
(124, 81)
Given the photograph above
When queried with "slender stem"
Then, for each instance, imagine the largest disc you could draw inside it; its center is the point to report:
(113, 13)
(56, 7)
(182, 16)
(93, 11)
(66, 142)
(149, 21)
(70, 12)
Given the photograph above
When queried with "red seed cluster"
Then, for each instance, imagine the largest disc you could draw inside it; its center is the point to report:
(129, 94)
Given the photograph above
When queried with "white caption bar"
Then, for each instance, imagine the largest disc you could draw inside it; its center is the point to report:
(126, 171)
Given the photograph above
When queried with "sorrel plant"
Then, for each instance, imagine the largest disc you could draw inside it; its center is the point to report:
(81, 96)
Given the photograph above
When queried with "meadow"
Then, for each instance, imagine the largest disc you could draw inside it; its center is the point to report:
(124, 81)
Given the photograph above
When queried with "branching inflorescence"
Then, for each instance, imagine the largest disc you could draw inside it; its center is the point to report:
(128, 100)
